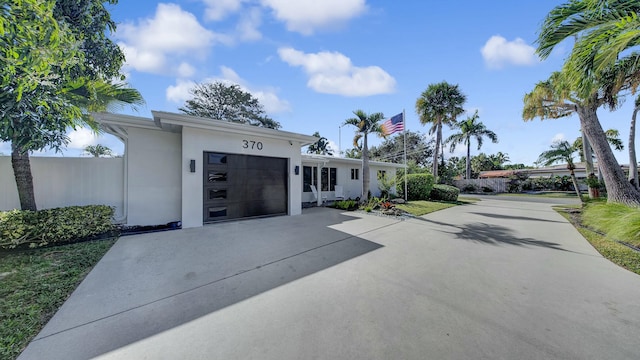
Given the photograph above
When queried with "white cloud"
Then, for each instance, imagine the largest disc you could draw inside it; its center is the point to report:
(170, 35)
(219, 9)
(267, 96)
(306, 16)
(179, 93)
(333, 73)
(498, 52)
(558, 137)
(248, 25)
(80, 138)
(185, 70)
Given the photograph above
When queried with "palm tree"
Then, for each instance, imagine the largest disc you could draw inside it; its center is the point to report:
(365, 124)
(499, 159)
(470, 128)
(440, 104)
(87, 96)
(556, 98)
(98, 150)
(603, 30)
(320, 147)
(561, 151)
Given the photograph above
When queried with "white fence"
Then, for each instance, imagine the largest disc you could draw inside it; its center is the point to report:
(498, 185)
(60, 181)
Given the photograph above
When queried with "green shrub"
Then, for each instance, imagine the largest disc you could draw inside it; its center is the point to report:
(348, 204)
(444, 192)
(418, 186)
(487, 189)
(470, 188)
(20, 228)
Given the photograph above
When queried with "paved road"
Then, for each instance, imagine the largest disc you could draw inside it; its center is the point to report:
(498, 279)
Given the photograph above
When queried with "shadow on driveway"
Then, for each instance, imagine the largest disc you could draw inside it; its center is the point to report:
(247, 257)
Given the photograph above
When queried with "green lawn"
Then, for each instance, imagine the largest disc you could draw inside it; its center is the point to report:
(422, 207)
(609, 248)
(35, 283)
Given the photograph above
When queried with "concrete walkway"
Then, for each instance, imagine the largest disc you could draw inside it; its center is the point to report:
(499, 279)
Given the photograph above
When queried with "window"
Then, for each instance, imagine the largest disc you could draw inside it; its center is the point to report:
(328, 175)
(355, 174)
(382, 173)
(309, 178)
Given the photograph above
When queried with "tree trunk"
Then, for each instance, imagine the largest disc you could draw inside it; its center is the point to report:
(23, 177)
(436, 153)
(468, 159)
(365, 169)
(633, 163)
(587, 154)
(575, 185)
(619, 189)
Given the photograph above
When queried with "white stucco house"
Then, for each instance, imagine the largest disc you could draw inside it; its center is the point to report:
(195, 170)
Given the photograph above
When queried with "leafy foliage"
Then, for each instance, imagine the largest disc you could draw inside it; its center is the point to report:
(440, 104)
(321, 147)
(419, 149)
(386, 183)
(418, 186)
(444, 192)
(98, 150)
(20, 228)
(347, 204)
(470, 128)
(220, 101)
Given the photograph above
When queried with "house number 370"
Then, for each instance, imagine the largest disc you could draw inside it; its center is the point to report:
(250, 144)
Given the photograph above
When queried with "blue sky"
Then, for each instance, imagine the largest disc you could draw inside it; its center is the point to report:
(312, 63)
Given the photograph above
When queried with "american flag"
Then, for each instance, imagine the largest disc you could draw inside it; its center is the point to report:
(395, 124)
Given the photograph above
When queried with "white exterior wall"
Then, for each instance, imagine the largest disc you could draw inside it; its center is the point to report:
(60, 182)
(373, 173)
(351, 188)
(154, 180)
(196, 141)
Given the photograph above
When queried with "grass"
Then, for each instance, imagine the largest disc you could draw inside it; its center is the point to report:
(35, 283)
(616, 220)
(605, 245)
(422, 207)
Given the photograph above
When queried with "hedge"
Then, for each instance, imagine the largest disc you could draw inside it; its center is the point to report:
(418, 186)
(444, 192)
(22, 228)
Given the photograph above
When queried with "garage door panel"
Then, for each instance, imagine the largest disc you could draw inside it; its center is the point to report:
(244, 186)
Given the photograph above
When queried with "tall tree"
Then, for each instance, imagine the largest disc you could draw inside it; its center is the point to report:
(603, 30)
(365, 124)
(439, 105)
(470, 128)
(419, 149)
(220, 101)
(556, 98)
(561, 151)
(320, 147)
(46, 60)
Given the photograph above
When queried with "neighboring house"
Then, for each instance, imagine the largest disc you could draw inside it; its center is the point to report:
(178, 167)
(548, 171)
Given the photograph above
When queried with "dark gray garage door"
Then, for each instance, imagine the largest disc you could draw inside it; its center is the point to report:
(239, 186)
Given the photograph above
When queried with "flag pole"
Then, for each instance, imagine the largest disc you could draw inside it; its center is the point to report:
(404, 119)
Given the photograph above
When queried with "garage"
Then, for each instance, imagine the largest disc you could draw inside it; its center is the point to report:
(242, 186)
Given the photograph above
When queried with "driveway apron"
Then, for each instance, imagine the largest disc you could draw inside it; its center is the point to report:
(498, 279)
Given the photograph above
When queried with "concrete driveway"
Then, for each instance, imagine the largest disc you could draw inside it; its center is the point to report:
(499, 279)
